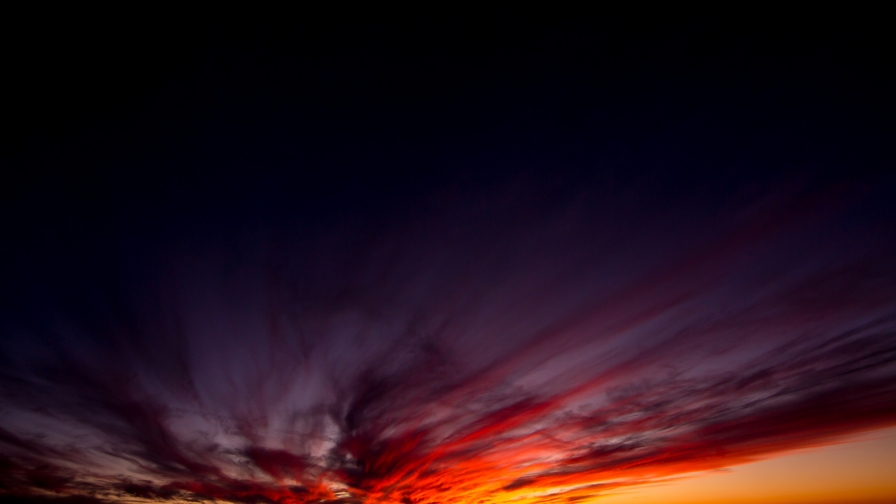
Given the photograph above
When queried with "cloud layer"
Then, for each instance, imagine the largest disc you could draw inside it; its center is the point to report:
(509, 347)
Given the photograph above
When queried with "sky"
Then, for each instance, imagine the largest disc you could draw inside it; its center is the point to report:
(435, 259)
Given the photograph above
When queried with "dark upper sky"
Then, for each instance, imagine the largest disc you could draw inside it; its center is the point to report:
(318, 256)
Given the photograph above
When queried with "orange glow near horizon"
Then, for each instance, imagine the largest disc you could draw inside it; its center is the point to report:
(859, 470)
(855, 470)
(849, 470)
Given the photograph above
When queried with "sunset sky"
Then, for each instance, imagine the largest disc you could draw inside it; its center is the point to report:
(442, 258)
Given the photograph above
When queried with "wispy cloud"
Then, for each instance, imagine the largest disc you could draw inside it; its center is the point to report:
(489, 354)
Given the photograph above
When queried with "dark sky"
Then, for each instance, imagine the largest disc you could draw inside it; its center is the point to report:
(438, 256)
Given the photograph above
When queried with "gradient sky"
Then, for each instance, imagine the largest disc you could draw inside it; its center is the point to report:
(525, 259)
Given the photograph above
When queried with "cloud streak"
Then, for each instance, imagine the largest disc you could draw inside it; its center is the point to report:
(520, 349)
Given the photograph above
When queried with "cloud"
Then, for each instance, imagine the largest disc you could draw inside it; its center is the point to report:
(453, 357)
